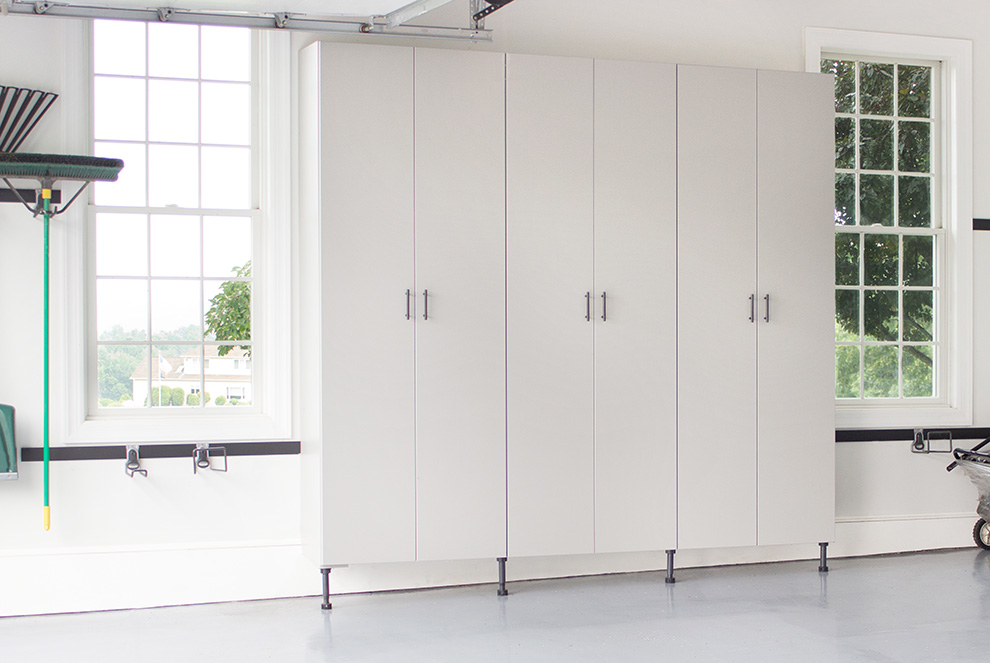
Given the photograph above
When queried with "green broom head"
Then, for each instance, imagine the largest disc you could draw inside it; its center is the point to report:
(50, 167)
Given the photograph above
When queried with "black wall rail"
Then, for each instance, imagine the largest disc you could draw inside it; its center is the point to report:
(30, 196)
(908, 434)
(152, 450)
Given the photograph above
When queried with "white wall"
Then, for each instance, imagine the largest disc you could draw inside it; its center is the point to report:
(116, 542)
(177, 538)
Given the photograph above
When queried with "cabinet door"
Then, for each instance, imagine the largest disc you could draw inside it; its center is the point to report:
(550, 180)
(366, 179)
(460, 344)
(635, 334)
(716, 253)
(796, 259)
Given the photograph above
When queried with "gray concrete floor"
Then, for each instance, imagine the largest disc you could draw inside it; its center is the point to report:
(915, 607)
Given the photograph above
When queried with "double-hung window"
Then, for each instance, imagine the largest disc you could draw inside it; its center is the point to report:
(903, 225)
(185, 255)
(172, 240)
(889, 232)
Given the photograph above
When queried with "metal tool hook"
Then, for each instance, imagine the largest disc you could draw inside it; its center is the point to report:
(202, 454)
(133, 464)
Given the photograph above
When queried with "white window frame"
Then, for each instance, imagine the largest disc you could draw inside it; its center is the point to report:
(956, 211)
(74, 420)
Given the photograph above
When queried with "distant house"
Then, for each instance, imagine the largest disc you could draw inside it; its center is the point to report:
(228, 376)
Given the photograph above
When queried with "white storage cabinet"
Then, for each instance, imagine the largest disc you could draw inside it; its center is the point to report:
(755, 308)
(406, 268)
(590, 249)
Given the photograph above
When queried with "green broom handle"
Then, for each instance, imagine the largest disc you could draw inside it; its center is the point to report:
(46, 195)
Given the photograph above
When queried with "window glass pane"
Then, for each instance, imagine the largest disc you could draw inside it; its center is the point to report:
(918, 261)
(192, 363)
(919, 315)
(150, 286)
(119, 48)
(120, 239)
(175, 314)
(227, 113)
(880, 315)
(171, 377)
(914, 147)
(918, 371)
(880, 259)
(846, 259)
(876, 200)
(880, 371)
(122, 308)
(173, 50)
(175, 242)
(118, 108)
(845, 199)
(845, 142)
(914, 202)
(226, 177)
(173, 113)
(876, 144)
(876, 84)
(119, 369)
(226, 53)
(226, 244)
(847, 315)
(173, 176)
(845, 84)
(914, 91)
(129, 189)
(847, 371)
(878, 329)
(229, 375)
(227, 306)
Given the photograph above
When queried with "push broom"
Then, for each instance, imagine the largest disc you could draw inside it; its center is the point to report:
(46, 169)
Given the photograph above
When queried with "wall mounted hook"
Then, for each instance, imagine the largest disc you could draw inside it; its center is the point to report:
(133, 464)
(202, 455)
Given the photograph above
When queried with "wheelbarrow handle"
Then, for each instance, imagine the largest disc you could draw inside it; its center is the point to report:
(957, 453)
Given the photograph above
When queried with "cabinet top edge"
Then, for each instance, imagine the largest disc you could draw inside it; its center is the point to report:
(509, 56)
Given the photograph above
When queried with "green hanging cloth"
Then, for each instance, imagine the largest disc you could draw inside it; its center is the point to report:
(8, 450)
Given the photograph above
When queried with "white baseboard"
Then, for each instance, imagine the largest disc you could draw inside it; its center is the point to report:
(894, 534)
(88, 580)
(81, 582)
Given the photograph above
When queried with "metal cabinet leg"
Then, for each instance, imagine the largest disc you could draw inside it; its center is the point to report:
(670, 567)
(326, 589)
(502, 591)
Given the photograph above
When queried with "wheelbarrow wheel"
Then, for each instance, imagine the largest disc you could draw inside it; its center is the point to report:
(981, 534)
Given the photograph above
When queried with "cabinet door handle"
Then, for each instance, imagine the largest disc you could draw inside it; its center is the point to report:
(766, 298)
(604, 306)
(426, 304)
(752, 308)
(408, 304)
(587, 306)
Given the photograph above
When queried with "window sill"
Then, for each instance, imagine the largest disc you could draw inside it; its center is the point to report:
(177, 429)
(900, 416)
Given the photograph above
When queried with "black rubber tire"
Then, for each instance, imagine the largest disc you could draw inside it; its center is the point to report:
(981, 534)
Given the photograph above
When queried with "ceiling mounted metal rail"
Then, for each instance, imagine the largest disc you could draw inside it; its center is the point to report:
(276, 21)
(411, 11)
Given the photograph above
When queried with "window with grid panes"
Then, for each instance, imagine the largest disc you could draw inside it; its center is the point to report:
(888, 240)
(171, 241)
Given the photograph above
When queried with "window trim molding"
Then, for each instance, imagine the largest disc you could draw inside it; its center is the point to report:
(956, 56)
(72, 423)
